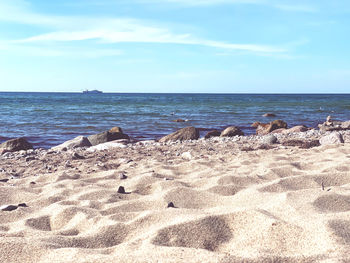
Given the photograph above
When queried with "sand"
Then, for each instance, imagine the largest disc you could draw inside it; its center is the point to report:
(277, 205)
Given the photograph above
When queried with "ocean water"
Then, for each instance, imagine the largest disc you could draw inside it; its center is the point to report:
(48, 119)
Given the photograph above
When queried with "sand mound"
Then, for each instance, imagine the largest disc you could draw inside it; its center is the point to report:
(280, 205)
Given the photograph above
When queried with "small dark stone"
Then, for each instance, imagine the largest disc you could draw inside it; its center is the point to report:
(121, 190)
(171, 204)
(32, 182)
(4, 180)
(22, 205)
(9, 208)
(77, 156)
(30, 158)
(122, 176)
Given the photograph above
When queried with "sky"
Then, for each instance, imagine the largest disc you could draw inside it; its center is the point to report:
(175, 46)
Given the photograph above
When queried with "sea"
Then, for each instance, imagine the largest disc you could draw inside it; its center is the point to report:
(48, 119)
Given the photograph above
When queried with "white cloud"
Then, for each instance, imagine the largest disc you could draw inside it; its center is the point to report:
(111, 30)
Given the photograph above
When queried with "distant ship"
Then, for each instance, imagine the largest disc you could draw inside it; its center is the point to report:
(95, 91)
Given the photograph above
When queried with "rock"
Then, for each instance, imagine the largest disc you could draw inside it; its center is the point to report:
(299, 128)
(108, 145)
(8, 207)
(121, 190)
(269, 115)
(22, 205)
(188, 133)
(269, 139)
(116, 129)
(281, 130)
(171, 204)
(302, 144)
(213, 133)
(122, 176)
(257, 124)
(77, 142)
(15, 145)
(186, 155)
(332, 125)
(179, 120)
(106, 136)
(332, 138)
(263, 129)
(4, 180)
(76, 156)
(231, 131)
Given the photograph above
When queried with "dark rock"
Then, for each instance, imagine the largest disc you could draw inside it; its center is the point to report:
(22, 205)
(77, 156)
(188, 133)
(171, 204)
(8, 207)
(32, 182)
(121, 190)
(179, 120)
(15, 145)
(231, 131)
(331, 125)
(122, 176)
(106, 136)
(269, 115)
(30, 158)
(213, 133)
(4, 180)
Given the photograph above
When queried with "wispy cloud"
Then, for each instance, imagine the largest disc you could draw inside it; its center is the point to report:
(290, 6)
(112, 30)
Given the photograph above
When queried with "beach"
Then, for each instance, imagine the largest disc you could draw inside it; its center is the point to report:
(208, 200)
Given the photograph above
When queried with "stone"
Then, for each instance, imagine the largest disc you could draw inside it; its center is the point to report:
(332, 125)
(77, 142)
(8, 207)
(22, 205)
(76, 156)
(231, 131)
(122, 176)
(15, 145)
(213, 133)
(332, 138)
(298, 128)
(281, 130)
(186, 155)
(184, 134)
(302, 144)
(179, 120)
(106, 136)
(116, 129)
(108, 145)
(269, 139)
(269, 115)
(4, 180)
(171, 204)
(121, 190)
(263, 129)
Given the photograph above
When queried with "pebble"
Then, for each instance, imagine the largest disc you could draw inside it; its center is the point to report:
(121, 190)
(122, 176)
(171, 204)
(8, 207)
(4, 180)
(77, 156)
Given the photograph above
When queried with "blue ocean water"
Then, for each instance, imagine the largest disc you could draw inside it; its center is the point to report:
(48, 119)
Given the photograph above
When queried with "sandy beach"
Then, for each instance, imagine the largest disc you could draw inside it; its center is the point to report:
(231, 203)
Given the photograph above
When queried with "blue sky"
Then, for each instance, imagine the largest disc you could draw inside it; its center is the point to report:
(215, 46)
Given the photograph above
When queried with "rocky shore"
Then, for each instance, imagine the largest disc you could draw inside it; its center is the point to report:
(277, 196)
